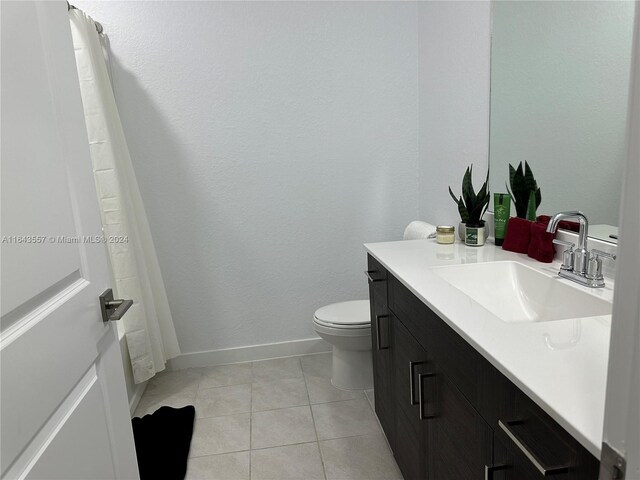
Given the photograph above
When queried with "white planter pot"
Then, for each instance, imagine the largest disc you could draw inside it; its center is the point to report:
(475, 236)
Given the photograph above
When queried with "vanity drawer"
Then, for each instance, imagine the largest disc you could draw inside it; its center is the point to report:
(534, 448)
(529, 441)
(409, 309)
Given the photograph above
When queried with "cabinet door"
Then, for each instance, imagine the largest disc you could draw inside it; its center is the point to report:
(381, 336)
(410, 368)
(460, 442)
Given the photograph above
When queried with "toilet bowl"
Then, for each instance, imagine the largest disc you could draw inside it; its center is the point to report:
(347, 327)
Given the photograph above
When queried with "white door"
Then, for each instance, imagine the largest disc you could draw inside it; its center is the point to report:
(64, 412)
(621, 442)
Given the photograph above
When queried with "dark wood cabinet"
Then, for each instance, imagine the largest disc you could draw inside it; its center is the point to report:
(447, 412)
(381, 337)
(460, 441)
(411, 369)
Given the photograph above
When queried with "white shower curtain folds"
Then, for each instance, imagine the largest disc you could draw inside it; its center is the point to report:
(148, 325)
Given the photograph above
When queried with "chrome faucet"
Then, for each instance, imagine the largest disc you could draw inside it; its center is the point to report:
(579, 265)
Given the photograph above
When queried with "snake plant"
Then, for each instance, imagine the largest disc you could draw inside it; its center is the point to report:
(472, 206)
(524, 192)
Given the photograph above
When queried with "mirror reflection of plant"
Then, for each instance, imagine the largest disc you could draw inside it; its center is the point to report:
(472, 206)
(524, 192)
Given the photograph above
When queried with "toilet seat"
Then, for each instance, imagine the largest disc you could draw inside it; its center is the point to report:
(344, 315)
(346, 326)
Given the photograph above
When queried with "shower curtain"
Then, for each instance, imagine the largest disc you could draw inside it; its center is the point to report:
(135, 273)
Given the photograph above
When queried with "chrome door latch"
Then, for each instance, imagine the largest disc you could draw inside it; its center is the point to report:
(113, 309)
(613, 466)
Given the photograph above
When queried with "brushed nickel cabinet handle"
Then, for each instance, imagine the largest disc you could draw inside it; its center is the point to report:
(421, 377)
(489, 469)
(412, 379)
(378, 339)
(545, 470)
(371, 279)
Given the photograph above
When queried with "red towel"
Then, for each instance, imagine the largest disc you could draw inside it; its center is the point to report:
(563, 224)
(518, 235)
(541, 244)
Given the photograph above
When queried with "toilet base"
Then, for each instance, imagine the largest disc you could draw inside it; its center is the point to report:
(352, 369)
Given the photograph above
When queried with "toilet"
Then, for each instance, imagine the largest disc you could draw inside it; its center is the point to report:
(347, 327)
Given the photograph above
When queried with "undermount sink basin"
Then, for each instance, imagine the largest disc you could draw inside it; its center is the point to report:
(515, 292)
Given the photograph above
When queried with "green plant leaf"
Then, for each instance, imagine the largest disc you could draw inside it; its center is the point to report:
(529, 180)
(484, 190)
(467, 187)
(455, 199)
(515, 173)
(509, 192)
(462, 210)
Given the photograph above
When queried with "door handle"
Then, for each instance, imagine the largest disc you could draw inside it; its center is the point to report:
(412, 394)
(378, 341)
(113, 309)
(421, 377)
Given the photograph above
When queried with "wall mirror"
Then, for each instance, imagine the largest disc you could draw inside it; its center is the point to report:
(559, 90)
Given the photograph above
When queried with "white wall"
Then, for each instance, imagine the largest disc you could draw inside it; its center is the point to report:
(454, 76)
(270, 141)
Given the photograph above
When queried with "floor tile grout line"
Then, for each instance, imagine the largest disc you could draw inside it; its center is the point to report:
(223, 416)
(282, 446)
(268, 409)
(224, 386)
(216, 454)
(247, 361)
(349, 436)
(313, 420)
(288, 445)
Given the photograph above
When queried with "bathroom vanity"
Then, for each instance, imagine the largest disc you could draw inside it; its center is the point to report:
(463, 392)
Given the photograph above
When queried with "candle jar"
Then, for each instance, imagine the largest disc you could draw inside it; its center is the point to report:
(445, 234)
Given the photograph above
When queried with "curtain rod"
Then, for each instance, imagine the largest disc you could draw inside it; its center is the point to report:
(99, 28)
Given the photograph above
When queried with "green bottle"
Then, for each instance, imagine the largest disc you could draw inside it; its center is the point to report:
(501, 213)
(531, 207)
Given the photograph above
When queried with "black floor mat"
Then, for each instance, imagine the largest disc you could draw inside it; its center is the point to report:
(162, 442)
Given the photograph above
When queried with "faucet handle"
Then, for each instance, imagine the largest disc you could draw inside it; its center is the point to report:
(567, 255)
(594, 268)
(600, 253)
(570, 245)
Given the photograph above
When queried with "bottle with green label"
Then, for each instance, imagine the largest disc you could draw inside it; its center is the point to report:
(501, 213)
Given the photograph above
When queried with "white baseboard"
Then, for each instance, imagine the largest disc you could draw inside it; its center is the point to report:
(249, 353)
(138, 390)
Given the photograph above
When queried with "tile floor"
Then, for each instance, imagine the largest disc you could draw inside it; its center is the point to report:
(275, 420)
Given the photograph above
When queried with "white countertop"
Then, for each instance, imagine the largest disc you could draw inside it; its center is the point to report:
(561, 365)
